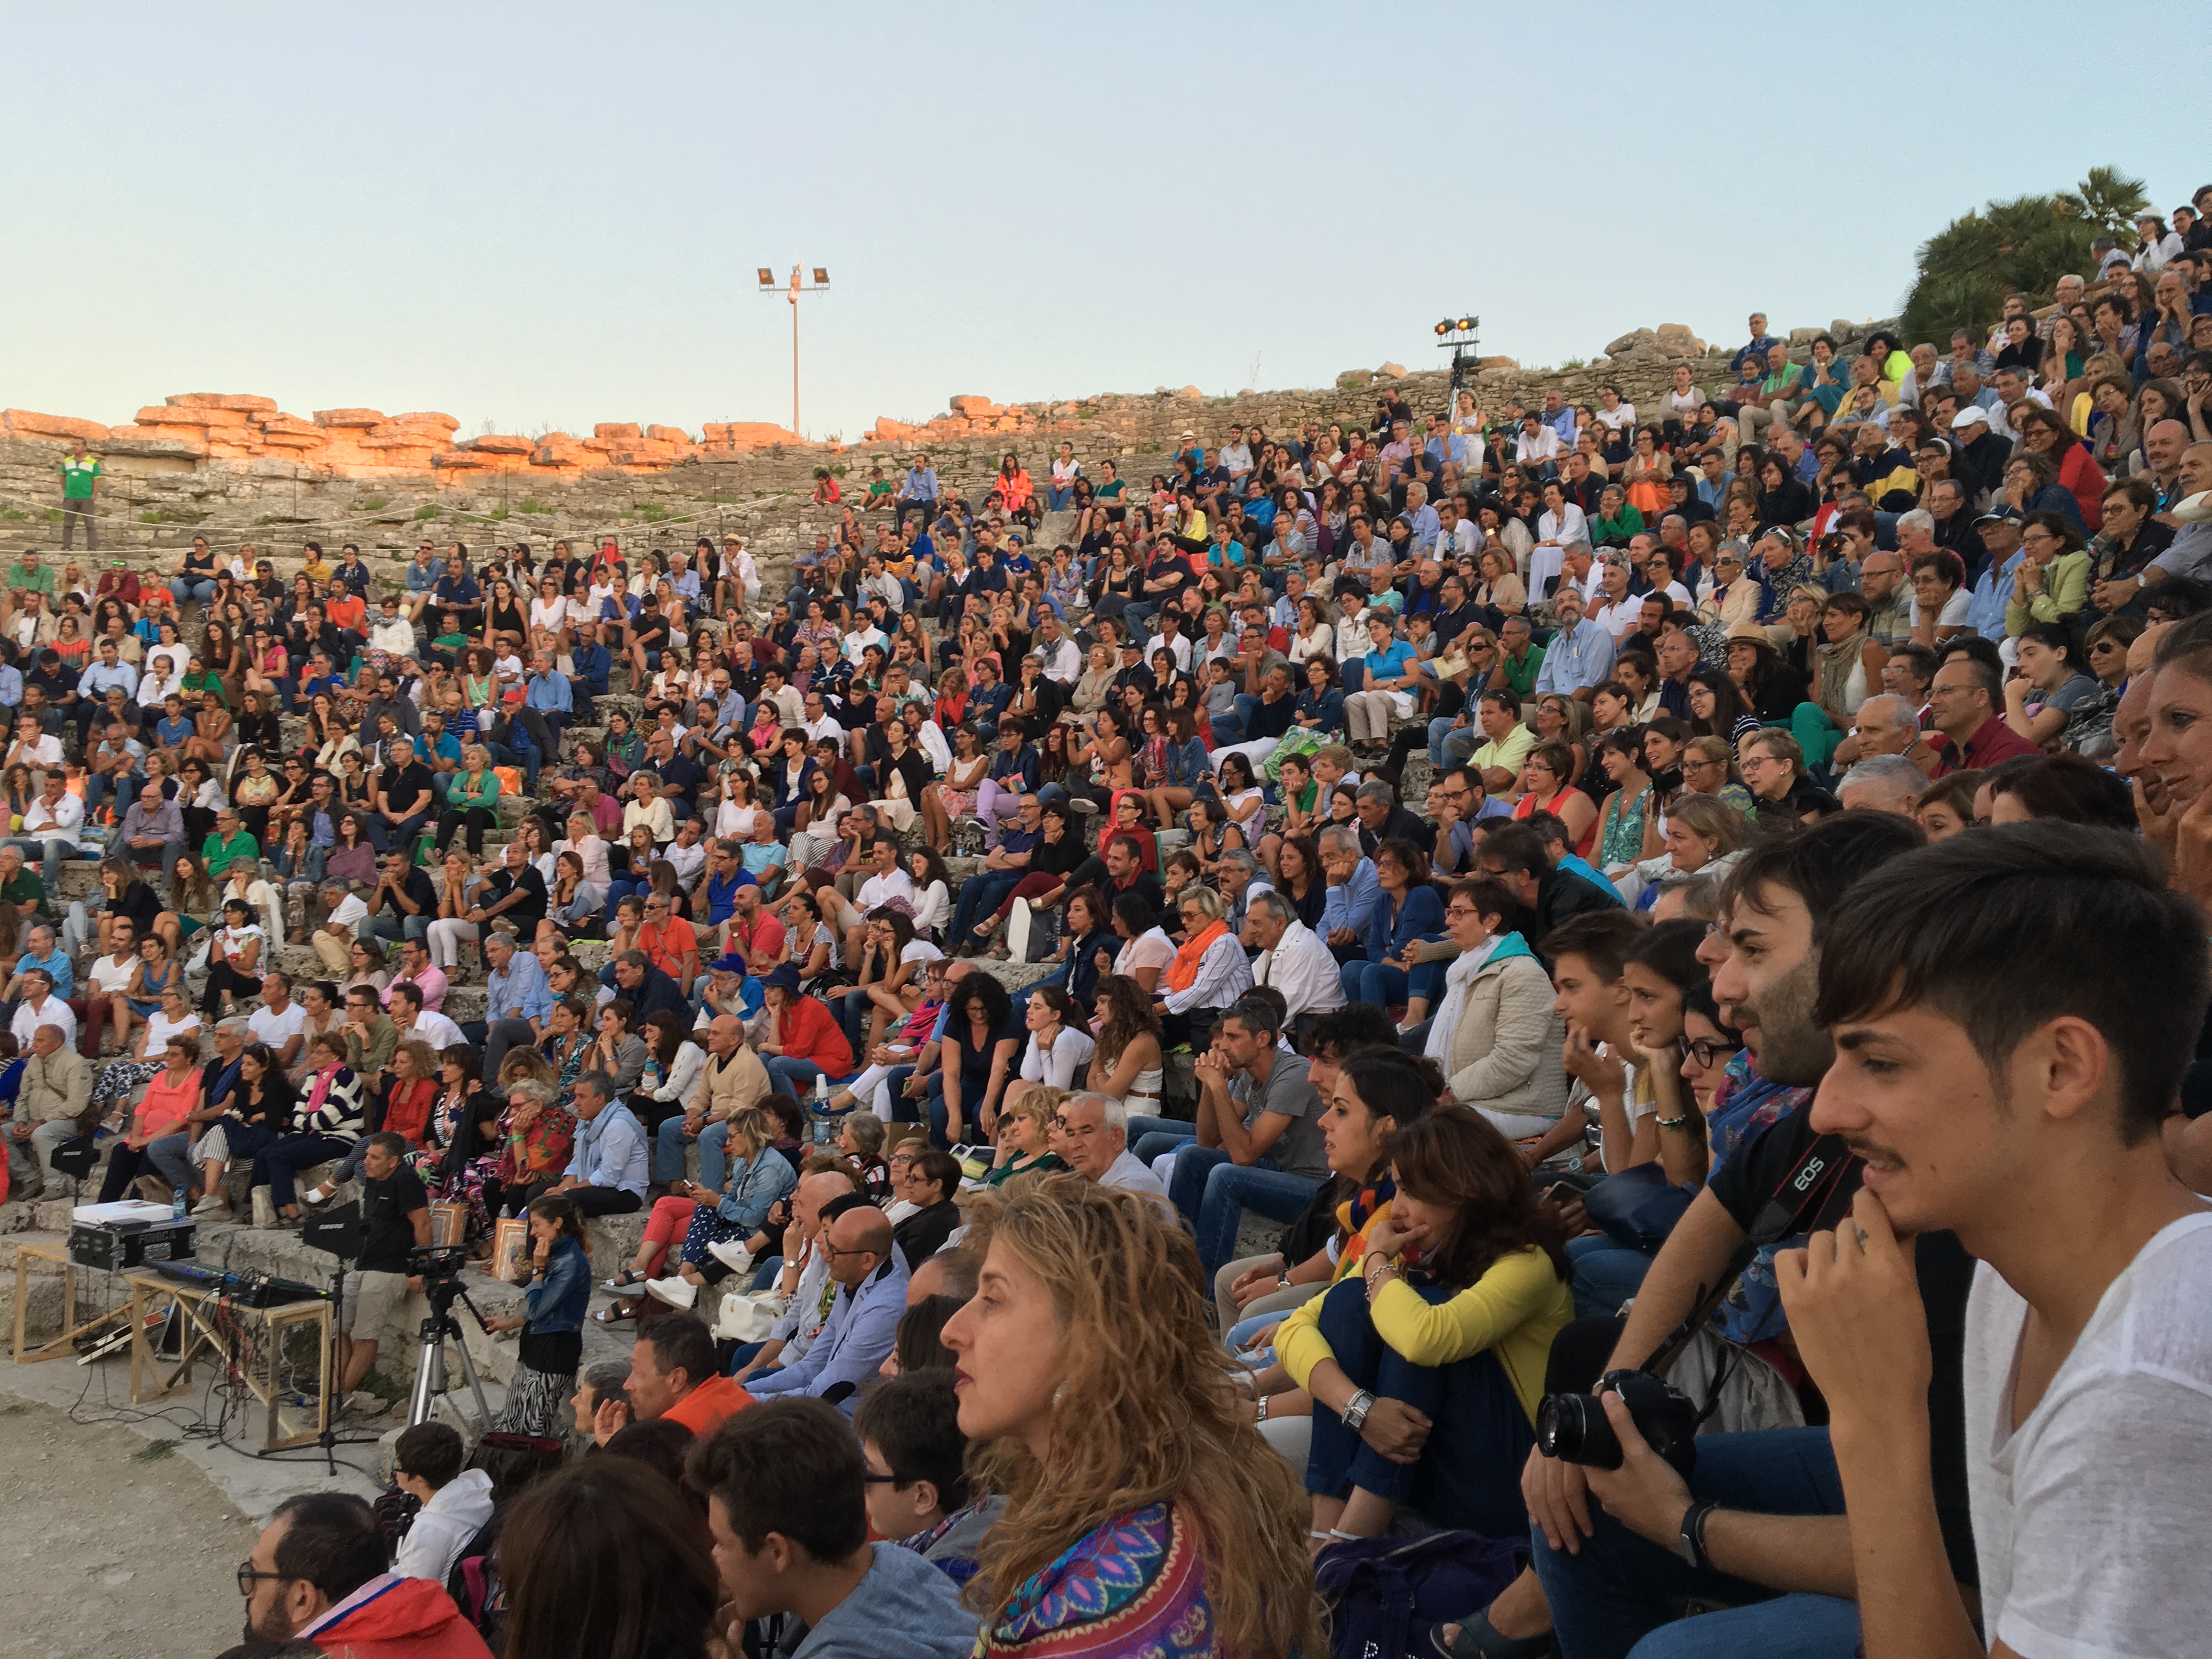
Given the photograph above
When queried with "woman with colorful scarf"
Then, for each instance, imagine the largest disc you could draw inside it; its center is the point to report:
(1138, 1520)
(1209, 972)
(1461, 1291)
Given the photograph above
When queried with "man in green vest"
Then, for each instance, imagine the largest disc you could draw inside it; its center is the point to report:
(80, 475)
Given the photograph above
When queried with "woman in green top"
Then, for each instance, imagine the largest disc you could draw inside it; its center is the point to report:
(473, 800)
(1620, 825)
(1023, 1121)
(479, 684)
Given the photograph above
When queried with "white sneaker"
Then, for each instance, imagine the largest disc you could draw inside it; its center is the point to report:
(1084, 804)
(731, 1254)
(312, 1195)
(211, 1205)
(676, 1292)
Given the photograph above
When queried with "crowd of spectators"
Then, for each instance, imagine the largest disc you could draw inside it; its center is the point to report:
(1788, 983)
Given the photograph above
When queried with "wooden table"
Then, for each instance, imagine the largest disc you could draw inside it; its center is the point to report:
(154, 1378)
(64, 1346)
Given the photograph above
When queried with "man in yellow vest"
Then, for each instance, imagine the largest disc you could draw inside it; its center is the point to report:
(80, 475)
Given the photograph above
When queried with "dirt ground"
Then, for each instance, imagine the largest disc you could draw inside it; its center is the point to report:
(111, 1553)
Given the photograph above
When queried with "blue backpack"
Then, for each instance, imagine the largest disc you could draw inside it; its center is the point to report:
(1383, 1594)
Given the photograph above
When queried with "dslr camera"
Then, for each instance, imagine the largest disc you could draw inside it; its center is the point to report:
(1575, 1428)
(437, 1264)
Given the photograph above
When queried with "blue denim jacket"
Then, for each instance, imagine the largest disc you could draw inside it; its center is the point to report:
(758, 1185)
(560, 1301)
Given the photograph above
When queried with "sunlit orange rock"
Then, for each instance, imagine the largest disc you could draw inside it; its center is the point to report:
(669, 435)
(975, 408)
(501, 443)
(26, 423)
(617, 431)
(243, 402)
(427, 417)
(348, 418)
(189, 415)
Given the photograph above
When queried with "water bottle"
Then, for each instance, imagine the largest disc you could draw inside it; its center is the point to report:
(177, 1205)
(652, 1076)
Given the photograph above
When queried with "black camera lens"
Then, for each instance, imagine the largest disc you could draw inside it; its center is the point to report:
(1574, 1427)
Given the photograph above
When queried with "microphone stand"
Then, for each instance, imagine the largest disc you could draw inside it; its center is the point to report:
(328, 1440)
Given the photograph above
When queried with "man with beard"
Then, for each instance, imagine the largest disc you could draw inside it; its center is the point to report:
(2013, 1011)
(316, 1577)
(1764, 1509)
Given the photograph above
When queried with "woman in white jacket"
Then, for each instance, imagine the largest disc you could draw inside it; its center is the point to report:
(1495, 1034)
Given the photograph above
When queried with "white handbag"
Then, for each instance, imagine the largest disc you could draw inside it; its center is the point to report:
(748, 1315)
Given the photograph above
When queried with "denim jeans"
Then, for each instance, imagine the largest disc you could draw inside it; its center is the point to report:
(1439, 729)
(386, 924)
(1390, 988)
(1212, 1193)
(1353, 676)
(1056, 500)
(1149, 1137)
(1470, 1473)
(1617, 1595)
(1605, 1274)
(980, 895)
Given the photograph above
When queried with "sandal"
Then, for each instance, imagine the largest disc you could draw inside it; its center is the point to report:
(618, 1313)
(1478, 1640)
(623, 1280)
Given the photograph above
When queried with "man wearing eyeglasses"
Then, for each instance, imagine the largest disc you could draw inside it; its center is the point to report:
(316, 1577)
(870, 1277)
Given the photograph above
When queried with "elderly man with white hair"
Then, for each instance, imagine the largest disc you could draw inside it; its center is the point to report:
(1292, 958)
(1883, 783)
(1884, 725)
(52, 1103)
(1091, 1134)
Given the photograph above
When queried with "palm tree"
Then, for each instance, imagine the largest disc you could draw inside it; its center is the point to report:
(2023, 245)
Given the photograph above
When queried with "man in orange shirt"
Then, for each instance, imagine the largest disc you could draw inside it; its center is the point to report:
(672, 1374)
(669, 942)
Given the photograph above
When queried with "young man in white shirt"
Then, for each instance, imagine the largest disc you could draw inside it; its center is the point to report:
(2013, 1013)
(279, 1022)
(50, 823)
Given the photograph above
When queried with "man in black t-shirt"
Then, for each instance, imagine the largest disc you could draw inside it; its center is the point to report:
(405, 901)
(1762, 1512)
(395, 1212)
(405, 802)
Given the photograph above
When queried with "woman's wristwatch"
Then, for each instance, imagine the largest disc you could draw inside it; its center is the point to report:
(1354, 1414)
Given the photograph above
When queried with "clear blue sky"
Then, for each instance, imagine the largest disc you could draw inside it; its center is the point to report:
(551, 215)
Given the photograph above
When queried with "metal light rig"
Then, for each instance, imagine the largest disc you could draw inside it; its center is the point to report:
(1458, 335)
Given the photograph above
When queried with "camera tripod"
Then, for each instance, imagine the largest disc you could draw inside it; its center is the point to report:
(430, 1379)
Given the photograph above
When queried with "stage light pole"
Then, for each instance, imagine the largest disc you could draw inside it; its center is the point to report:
(767, 285)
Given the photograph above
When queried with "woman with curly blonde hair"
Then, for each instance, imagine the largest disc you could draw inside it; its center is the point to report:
(1144, 1513)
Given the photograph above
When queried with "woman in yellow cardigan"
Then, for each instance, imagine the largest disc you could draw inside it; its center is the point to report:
(1425, 1371)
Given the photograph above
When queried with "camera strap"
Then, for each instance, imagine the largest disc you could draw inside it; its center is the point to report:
(1813, 1192)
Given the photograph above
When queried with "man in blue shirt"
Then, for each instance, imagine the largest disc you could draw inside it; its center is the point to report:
(438, 750)
(1579, 657)
(1761, 343)
(608, 1174)
(1355, 893)
(549, 694)
(109, 670)
(593, 662)
(725, 873)
(919, 491)
(871, 1276)
(517, 1002)
(456, 591)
